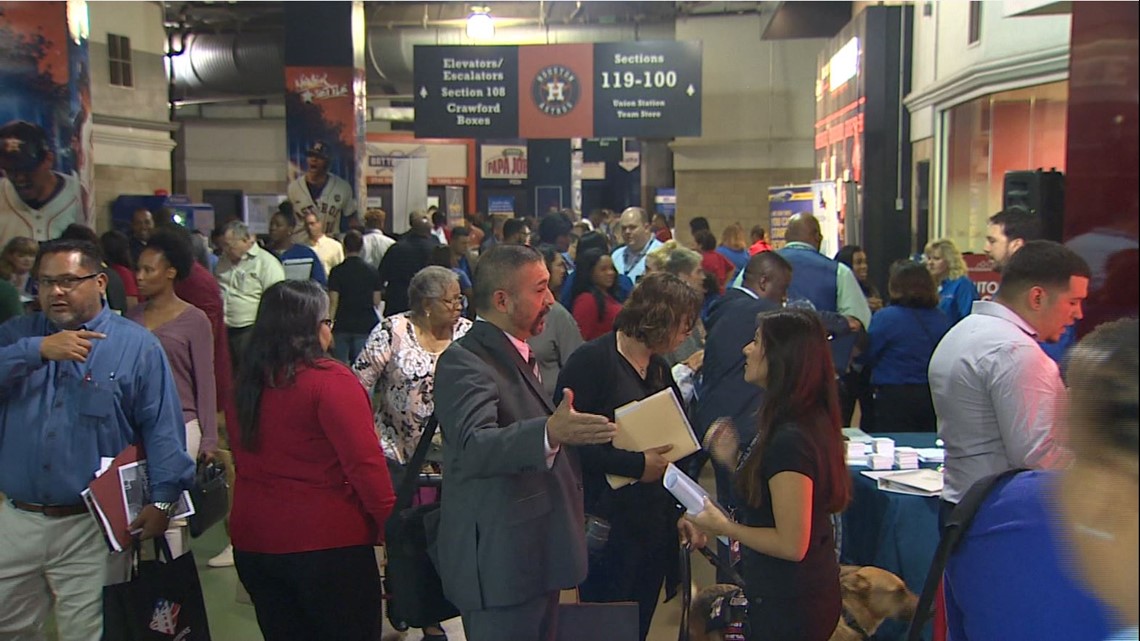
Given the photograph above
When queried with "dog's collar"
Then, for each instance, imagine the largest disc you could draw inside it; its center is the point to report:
(849, 619)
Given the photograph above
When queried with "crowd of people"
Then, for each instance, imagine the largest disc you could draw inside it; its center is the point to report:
(328, 357)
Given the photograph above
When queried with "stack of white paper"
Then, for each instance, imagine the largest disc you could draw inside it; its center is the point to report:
(932, 455)
(906, 458)
(880, 462)
(857, 452)
(885, 447)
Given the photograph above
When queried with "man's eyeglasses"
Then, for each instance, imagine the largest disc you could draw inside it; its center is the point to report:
(64, 283)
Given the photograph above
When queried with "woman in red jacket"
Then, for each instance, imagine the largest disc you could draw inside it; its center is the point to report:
(713, 261)
(312, 488)
(594, 296)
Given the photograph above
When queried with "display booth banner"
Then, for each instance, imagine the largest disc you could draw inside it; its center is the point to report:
(783, 203)
(447, 162)
(980, 269)
(648, 89)
(45, 80)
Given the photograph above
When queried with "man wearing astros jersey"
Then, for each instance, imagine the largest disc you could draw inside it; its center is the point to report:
(35, 201)
(329, 196)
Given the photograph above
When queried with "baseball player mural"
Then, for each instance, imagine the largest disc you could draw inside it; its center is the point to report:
(320, 192)
(35, 201)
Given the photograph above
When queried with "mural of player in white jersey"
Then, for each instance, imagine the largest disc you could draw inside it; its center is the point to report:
(327, 195)
(35, 201)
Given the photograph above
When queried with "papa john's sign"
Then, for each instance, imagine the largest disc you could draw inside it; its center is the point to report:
(503, 162)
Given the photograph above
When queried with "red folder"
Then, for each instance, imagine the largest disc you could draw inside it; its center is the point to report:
(106, 491)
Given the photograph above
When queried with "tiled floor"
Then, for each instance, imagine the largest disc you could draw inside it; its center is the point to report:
(233, 621)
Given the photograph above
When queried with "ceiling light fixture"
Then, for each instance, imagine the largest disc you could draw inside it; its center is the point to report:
(480, 25)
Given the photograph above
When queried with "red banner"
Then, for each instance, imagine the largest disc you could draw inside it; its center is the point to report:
(980, 269)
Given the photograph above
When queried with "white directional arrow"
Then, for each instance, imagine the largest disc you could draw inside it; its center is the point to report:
(424, 94)
(690, 90)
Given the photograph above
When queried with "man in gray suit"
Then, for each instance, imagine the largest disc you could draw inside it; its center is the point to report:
(511, 528)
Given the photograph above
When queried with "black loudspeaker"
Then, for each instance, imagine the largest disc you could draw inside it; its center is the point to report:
(1041, 192)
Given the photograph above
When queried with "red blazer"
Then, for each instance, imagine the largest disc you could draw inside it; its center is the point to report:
(585, 311)
(318, 479)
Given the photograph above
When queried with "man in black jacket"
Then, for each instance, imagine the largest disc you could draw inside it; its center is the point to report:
(409, 255)
(725, 393)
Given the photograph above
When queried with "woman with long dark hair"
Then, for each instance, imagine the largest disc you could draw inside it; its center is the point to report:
(312, 490)
(591, 241)
(854, 257)
(789, 481)
(594, 294)
(622, 366)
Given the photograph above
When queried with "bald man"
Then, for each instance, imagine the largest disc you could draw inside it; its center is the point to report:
(629, 260)
(829, 285)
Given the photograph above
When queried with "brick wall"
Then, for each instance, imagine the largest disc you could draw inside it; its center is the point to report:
(113, 181)
(727, 196)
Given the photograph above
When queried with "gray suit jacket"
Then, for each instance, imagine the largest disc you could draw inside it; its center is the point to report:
(509, 528)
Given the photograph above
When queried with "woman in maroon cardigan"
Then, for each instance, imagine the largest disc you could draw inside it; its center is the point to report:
(312, 489)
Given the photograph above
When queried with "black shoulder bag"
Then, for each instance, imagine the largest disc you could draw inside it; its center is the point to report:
(415, 592)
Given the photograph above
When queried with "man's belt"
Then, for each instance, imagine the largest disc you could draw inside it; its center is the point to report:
(54, 511)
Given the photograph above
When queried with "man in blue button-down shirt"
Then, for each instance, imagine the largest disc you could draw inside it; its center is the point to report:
(77, 383)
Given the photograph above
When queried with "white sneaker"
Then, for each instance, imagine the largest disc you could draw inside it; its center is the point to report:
(224, 559)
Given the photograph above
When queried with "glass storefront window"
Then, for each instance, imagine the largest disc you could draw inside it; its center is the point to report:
(986, 137)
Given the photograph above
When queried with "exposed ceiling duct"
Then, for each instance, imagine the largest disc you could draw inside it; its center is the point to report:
(229, 65)
(235, 51)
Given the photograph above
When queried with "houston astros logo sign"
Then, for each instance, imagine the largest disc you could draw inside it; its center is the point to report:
(555, 90)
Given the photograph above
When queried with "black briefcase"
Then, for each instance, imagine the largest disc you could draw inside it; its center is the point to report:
(210, 495)
(413, 586)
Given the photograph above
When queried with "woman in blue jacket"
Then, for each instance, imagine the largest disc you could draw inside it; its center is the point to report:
(956, 291)
(902, 338)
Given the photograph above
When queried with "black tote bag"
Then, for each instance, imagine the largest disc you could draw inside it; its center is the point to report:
(162, 601)
(415, 592)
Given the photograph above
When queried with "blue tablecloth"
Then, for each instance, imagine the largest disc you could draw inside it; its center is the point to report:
(892, 531)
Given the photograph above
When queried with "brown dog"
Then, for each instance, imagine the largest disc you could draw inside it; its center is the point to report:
(870, 596)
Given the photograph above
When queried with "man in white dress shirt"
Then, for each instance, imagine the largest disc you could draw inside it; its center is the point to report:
(998, 396)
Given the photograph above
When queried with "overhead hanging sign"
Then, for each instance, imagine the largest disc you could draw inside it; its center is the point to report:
(634, 89)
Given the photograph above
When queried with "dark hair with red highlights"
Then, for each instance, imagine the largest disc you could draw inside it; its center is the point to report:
(800, 390)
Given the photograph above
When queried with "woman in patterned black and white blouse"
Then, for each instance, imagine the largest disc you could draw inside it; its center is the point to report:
(398, 363)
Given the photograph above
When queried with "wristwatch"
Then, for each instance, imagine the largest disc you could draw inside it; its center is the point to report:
(166, 506)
